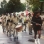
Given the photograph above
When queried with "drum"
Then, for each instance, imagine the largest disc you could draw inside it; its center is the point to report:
(19, 28)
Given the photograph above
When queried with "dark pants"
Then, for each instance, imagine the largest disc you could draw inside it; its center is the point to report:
(24, 25)
(35, 33)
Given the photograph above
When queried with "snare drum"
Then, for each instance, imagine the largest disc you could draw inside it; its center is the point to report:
(19, 28)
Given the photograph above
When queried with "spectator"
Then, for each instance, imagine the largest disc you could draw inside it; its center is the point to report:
(37, 23)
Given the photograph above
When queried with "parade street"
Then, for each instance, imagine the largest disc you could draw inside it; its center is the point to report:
(23, 38)
(21, 21)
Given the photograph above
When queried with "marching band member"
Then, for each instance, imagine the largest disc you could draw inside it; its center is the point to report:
(15, 22)
(3, 22)
(9, 24)
(30, 24)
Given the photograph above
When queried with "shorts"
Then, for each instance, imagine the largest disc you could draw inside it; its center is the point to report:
(36, 29)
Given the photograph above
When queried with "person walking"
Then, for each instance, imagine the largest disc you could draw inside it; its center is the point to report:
(30, 24)
(37, 23)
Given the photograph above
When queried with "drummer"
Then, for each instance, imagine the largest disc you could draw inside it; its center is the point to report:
(15, 22)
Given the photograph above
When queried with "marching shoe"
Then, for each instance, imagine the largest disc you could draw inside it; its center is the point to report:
(38, 41)
(35, 41)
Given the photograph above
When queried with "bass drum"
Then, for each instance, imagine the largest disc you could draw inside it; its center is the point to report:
(19, 28)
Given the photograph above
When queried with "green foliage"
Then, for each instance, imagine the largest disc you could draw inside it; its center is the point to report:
(12, 6)
(41, 0)
(3, 3)
(3, 6)
(1, 10)
(23, 7)
(36, 4)
(35, 8)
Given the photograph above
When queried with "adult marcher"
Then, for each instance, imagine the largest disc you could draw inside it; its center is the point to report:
(30, 24)
(3, 22)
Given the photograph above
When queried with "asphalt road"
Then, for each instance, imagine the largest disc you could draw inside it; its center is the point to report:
(23, 38)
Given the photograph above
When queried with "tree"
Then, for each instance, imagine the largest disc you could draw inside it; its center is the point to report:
(36, 3)
(35, 8)
(3, 3)
(12, 6)
(23, 7)
(1, 11)
(15, 6)
(33, 2)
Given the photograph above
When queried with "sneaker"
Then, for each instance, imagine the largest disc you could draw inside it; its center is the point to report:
(38, 41)
(35, 41)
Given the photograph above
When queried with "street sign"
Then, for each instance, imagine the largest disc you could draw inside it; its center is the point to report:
(41, 0)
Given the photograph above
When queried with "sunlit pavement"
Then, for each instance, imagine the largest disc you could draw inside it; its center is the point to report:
(23, 38)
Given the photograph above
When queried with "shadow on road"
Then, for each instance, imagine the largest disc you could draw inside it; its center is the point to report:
(31, 40)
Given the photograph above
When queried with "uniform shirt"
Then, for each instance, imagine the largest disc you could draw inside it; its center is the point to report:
(0, 19)
(3, 18)
(15, 20)
(22, 18)
(29, 23)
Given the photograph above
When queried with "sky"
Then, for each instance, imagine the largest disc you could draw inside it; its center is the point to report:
(2, 0)
(22, 1)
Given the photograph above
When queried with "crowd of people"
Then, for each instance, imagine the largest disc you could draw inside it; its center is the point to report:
(12, 24)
